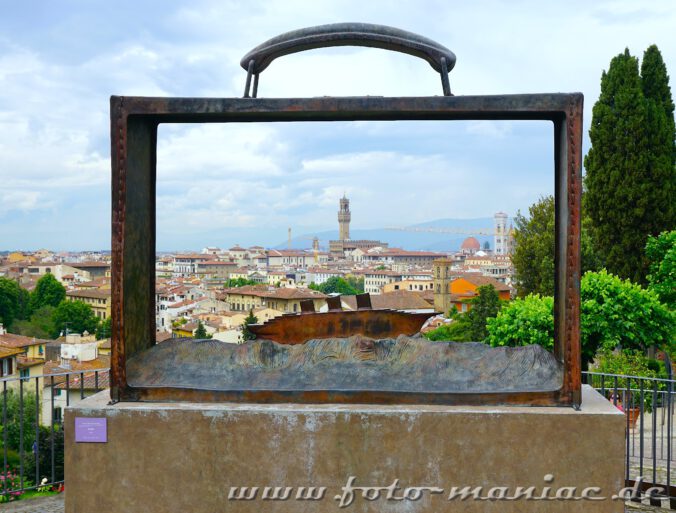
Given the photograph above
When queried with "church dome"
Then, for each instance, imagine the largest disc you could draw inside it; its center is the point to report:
(471, 244)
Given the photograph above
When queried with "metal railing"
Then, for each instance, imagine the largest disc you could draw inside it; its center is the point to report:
(648, 404)
(32, 427)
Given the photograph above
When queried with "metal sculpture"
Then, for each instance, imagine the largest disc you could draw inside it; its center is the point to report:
(134, 122)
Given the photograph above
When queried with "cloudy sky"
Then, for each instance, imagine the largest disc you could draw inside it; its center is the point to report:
(220, 185)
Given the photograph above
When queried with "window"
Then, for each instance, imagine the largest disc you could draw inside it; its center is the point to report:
(57, 415)
(24, 373)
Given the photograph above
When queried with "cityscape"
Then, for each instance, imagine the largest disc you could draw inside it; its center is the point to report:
(256, 257)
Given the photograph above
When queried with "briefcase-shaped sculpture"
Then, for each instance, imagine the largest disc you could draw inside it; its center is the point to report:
(366, 356)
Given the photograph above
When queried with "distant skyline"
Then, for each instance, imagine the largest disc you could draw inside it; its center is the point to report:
(221, 185)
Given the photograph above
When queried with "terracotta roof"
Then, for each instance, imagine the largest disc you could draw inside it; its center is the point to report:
(161, 336)
(470, 243)
(102, 362)
(6, 352)
(24, 362)
(89, 293)
(185, 302)
(275, 293)
(90, 381)
(396, 300)
(478, 280)
(19, 341)
(288, 252)
(79, 265)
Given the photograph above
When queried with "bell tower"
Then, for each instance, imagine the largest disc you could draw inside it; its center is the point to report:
(344, 217)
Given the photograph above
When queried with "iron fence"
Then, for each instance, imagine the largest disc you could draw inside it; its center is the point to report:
(32, 433)
(648, 405)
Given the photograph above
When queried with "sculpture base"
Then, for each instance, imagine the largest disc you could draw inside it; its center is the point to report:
(161, 457)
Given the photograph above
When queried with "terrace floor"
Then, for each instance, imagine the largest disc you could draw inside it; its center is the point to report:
(55, 505)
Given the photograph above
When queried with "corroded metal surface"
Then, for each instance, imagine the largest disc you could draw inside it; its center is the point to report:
(347, 34)
(405, 364)
(134, 122)
(296, 329)
(133, 318)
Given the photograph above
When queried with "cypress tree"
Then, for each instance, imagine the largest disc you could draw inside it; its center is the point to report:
(627, 190)
(656, 90)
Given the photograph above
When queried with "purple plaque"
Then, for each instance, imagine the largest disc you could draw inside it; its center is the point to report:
(91, 429)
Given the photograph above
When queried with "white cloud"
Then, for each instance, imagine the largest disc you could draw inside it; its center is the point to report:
(57, 73)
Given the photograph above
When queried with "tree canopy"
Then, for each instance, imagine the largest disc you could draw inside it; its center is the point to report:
(336, 285)
(485, 305)
(10, 301)
(614, 313)
(201, 331)
(524, 321)
(48, 292)
(74, 316)
(247, 334)
(533, 256)
(630, 180)
(661, 253)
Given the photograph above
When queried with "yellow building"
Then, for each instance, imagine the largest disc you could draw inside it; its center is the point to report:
(285, 300)
(24, 356)
(15, 257)
(99, 300)
(411, 285)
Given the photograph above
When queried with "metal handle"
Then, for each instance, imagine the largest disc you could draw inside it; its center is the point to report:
(347, 34)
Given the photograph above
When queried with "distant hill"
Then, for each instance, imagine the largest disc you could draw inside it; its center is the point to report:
(429, 241)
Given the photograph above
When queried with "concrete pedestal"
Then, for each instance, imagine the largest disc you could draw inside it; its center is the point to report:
(197, 457)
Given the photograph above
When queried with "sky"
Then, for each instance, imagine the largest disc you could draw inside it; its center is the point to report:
(224, 184)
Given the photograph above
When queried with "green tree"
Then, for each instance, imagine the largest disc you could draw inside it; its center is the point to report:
(76, 316)
(48, 292)
(201, 331)
(355, 282)
(239, 282)
(655, 83)
(39, 325)
(247, 334)
(336, 285)
(618, 313)
(10, 305)
(15, 419)
(614, 313)
(661, 253)
(45, 455)
(534, 240)
(522, 322)
(485, 305)
(630, 183)
(455, 331)
(103, 330)
(533, 256)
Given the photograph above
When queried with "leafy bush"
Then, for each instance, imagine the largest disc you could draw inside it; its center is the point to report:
(616, 312)
(524, 322)
(661, 252)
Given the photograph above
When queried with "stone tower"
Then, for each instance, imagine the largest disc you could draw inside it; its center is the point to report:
(442, 284)
(501, 235)
(344, 219)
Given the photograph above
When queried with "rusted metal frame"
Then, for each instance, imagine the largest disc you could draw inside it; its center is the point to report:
(567, 198)
(141, 117)
(163, 394)
(301, 327)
